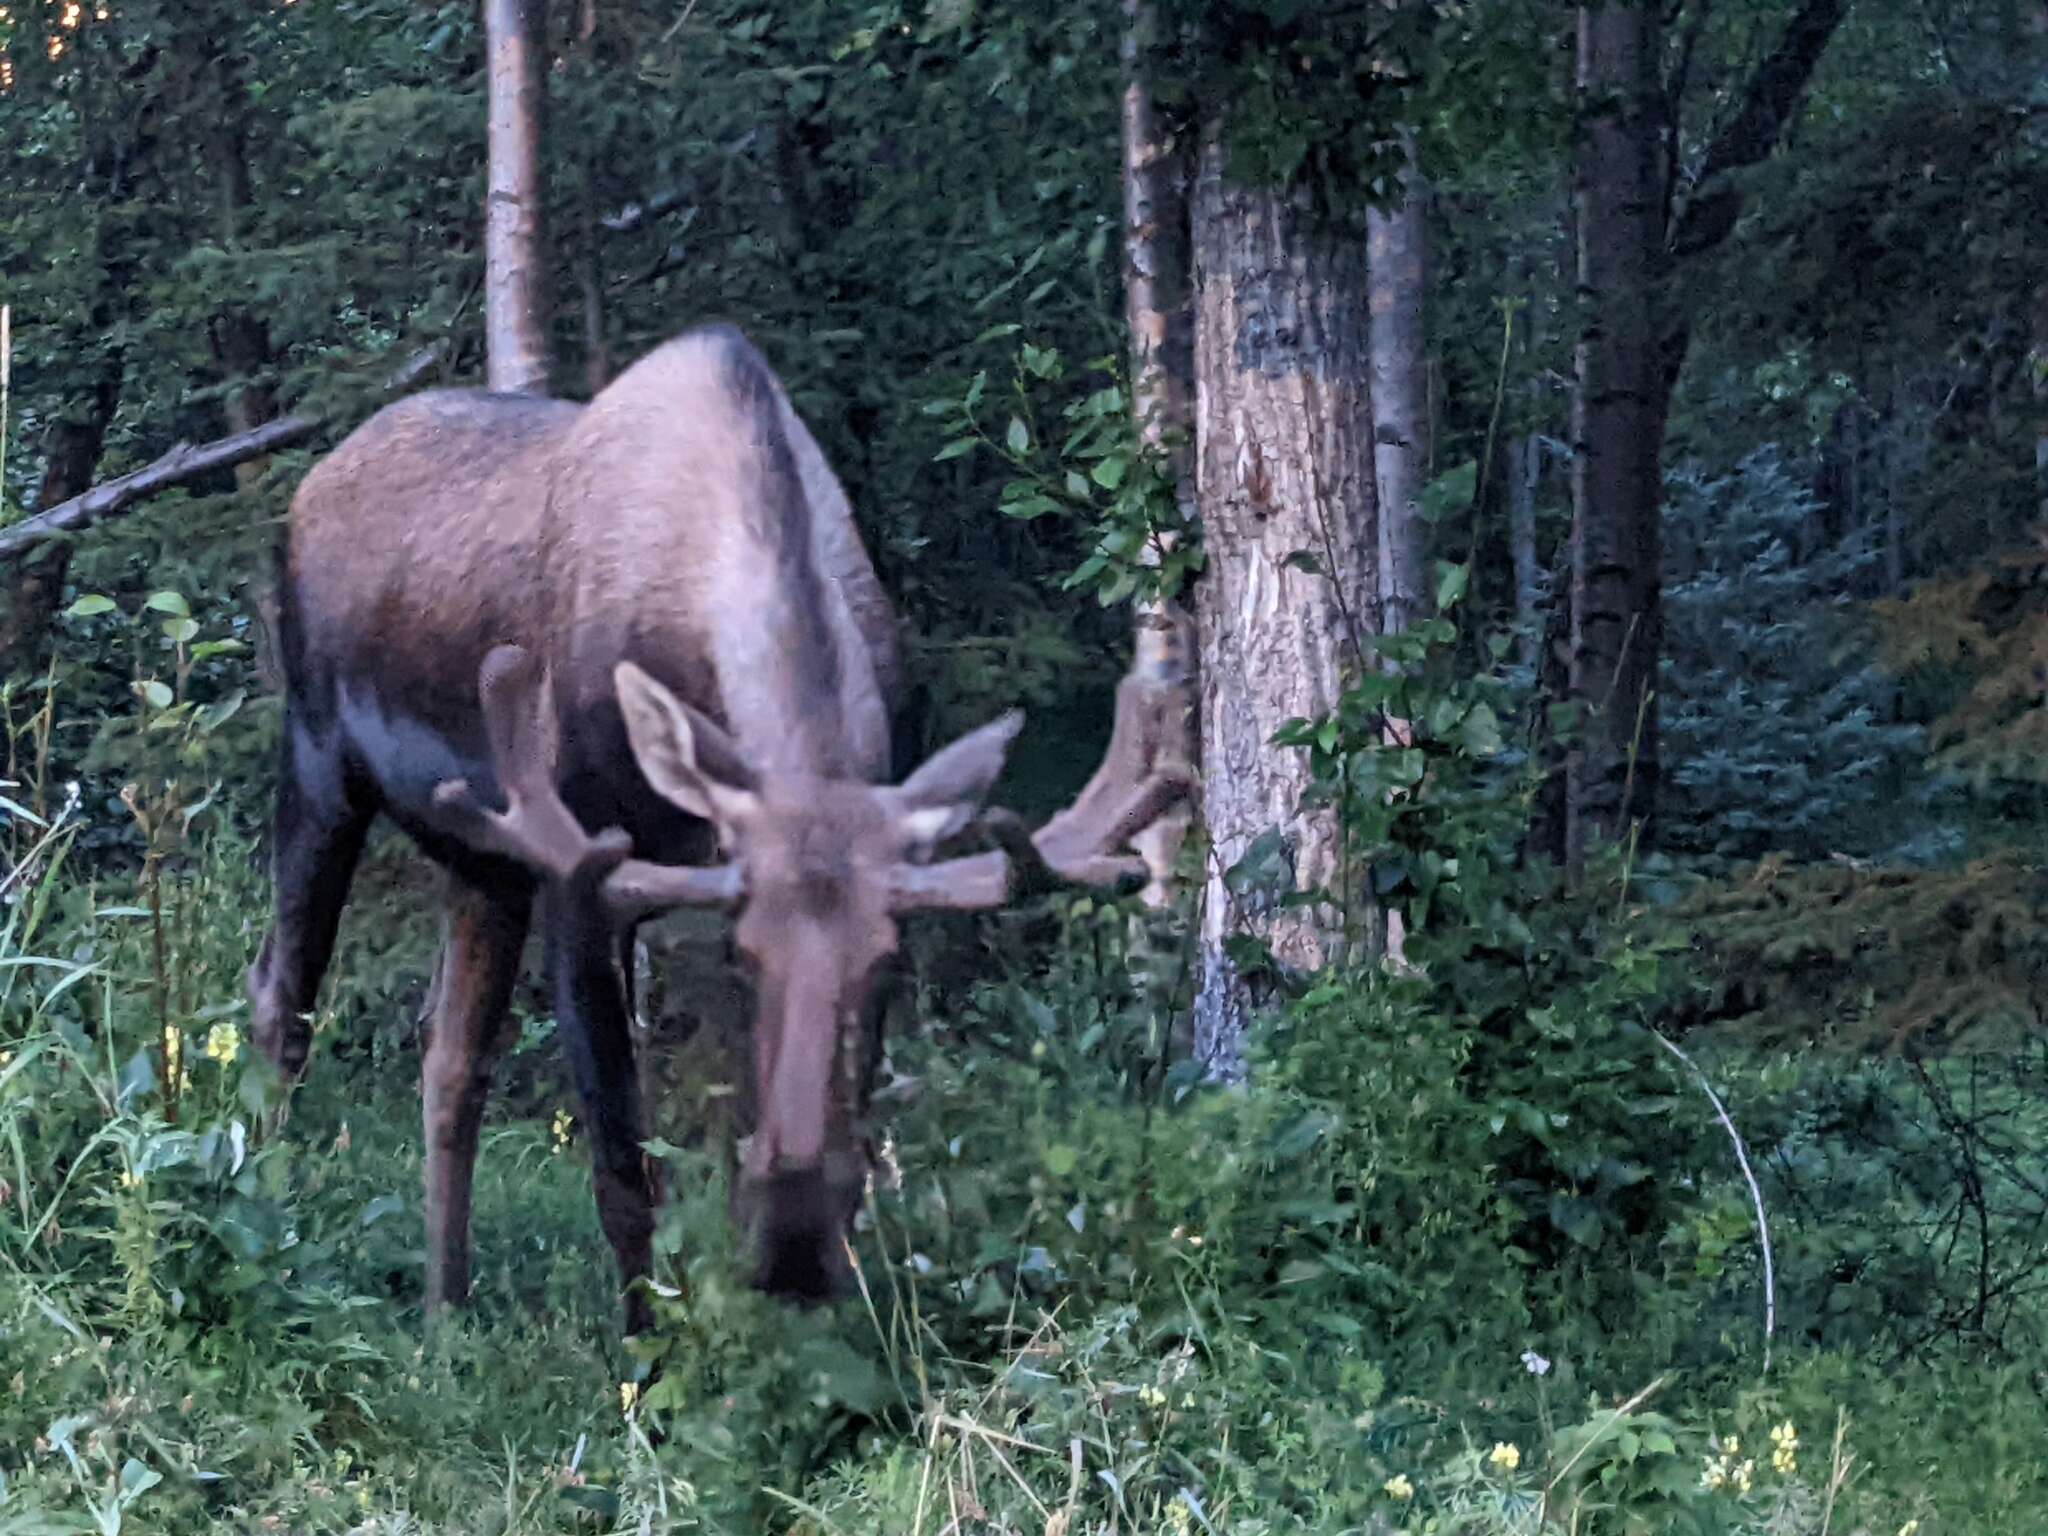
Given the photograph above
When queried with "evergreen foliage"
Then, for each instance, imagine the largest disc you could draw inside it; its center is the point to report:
(1783, 736)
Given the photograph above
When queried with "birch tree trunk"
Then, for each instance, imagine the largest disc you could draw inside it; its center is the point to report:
(1283, 417)
(515, 328)
(1397, 262)
(1157, 314)
(1617, 428)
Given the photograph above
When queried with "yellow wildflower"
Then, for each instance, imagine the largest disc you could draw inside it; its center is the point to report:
(1505, 1456)
(1744, 1476)
(1398, 1487)
(1715, 1478)
(564, 1124)
(1178, 1517)
(223, 1043)
(1910, 1528)
(130, 1179)
(1151, 1397)
(629, 1395)
(1785, 1447)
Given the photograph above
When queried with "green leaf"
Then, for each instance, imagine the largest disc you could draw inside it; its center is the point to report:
(1109, 473)
(1019, 435)
(958, 448)
(1061, 1160)
(156, 693)
(1481, 731)
(90, 606)
(1450, 492)
(168, 602)
(1450, 583)
(178, 631)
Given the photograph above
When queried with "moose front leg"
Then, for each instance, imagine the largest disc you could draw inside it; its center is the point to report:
(483, 931)
(592, 1013)
(322, 821)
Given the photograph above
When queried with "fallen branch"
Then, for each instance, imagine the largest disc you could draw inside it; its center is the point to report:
(184, 462)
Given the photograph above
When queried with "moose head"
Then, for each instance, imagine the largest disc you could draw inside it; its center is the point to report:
(818, 874)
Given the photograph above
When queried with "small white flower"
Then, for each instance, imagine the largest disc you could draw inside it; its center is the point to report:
(1534, 1363)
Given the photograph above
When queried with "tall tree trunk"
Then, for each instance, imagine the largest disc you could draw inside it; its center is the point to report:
(515, 310)
(2037, 358)
(1617, 427)
(71, 451)
(1284, 467)
(1397, 261)
(1525, 474)
(1158, 314)
(241, 339)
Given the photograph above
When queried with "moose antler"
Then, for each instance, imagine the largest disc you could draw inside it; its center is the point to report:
(1138, 781)
(536, 829)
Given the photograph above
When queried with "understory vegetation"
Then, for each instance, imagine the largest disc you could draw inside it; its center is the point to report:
(1511, 1278)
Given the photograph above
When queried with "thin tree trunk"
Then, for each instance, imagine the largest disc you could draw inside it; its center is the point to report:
(1525, 474)
(1397, 261)
(1617, 428)
(515, 310)
(71, 451)
(1285, 485)
(2037, 357)
(241, 339)
(1158, 315)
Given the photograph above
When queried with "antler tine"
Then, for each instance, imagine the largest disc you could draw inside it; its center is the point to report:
(535, 827)
(1137, 783)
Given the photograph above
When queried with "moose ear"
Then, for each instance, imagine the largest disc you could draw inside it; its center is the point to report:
(946, 793)
(690, 762)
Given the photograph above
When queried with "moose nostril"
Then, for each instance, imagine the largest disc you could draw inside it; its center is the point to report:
(798, 1222)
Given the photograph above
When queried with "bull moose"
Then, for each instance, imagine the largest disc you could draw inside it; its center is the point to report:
(507, 620)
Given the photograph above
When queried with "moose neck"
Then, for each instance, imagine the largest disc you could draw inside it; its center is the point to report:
(779, 671)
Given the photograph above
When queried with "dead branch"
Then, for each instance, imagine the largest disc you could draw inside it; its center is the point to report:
(183, 463)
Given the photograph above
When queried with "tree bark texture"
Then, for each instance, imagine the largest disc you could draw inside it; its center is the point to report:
(1397, 261)
(1617, 427)
(1158, 314)
(1283, 423)
(515, 312)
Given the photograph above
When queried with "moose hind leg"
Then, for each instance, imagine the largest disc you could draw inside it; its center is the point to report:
(483, 932)
(591, 1011)
(322, 820)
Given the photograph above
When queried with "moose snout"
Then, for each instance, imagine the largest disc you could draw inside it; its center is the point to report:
(797, 1221)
